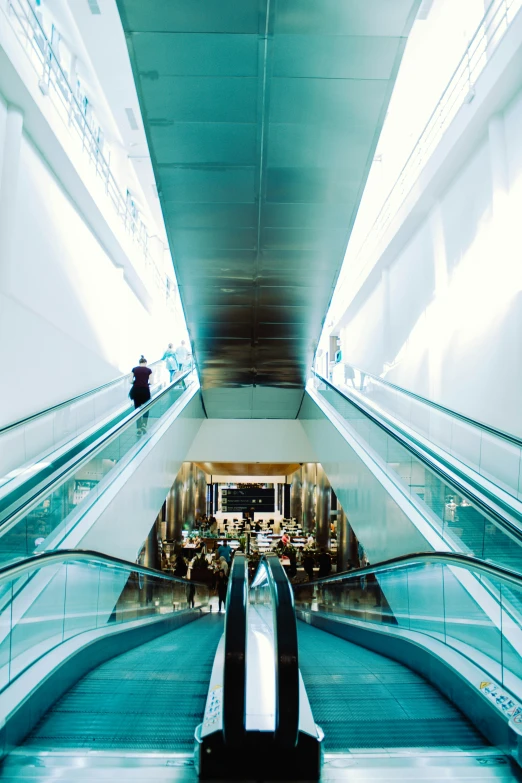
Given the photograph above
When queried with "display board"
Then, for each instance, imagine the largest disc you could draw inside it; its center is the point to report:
(246, 499)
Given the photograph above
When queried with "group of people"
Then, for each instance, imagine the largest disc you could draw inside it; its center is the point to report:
(175, 361)
(219, 561)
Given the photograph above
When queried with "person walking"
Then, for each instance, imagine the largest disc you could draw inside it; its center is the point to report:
(171, 362)
(140, 391)
(222, 589)
(181, 355)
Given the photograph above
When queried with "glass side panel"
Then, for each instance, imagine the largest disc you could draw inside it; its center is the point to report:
(493, 457)
(52, 603)
(26, 448)
(462, 525)
(43, 526)
(463, 608)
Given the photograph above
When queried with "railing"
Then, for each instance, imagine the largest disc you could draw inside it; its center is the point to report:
(26, 445)
(49, 599)
(494, 454)
(41, 521)
(271, 579)
(467, 517)
(53, 82)
(472, 607)
(234, 674)
(459, 91)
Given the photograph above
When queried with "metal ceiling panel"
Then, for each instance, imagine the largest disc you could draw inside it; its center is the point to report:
(262, 119)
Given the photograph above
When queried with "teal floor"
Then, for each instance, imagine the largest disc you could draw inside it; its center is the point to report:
(150, 698)
(363, 700)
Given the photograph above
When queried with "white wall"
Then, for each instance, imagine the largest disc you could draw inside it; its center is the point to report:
(251, 440)
(68, 319)
(444, 318)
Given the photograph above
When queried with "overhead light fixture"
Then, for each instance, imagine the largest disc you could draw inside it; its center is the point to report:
(131, 118)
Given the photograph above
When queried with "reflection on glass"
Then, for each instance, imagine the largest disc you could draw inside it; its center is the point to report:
(55, 601)
(464, 607)
(462, 525)
(45, 525)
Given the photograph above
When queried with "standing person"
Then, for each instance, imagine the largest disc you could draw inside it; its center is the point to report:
(222, 589)
(308, 565)
(325, 563)
(191, 595)
(225, 551)
(171, 362)
(181, 355)
(140, 391)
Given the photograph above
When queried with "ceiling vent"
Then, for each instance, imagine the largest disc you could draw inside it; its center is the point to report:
(132, 119)
(94, 7)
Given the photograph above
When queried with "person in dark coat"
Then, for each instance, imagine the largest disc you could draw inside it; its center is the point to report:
(221, 589)
(325, 563)
(140, 392)
(308, 565)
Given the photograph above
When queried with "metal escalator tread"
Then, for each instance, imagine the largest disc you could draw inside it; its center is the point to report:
(150, 698)
(363, 700)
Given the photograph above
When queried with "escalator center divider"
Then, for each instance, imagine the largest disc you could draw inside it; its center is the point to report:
(234, 675)
(286, 654)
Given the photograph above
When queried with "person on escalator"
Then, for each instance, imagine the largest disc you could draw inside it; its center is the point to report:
(221, 582)
(308, 565)
(171, 362)
(325, 563)
(140, 391)
(180, 569)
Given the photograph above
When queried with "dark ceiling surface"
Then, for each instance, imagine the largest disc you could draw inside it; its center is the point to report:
(262, 119)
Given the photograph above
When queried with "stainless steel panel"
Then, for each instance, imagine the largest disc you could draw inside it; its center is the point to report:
(262, 120)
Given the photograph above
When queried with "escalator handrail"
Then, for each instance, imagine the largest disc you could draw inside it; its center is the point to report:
(286, 653)
(500, 573)
(234, 672)
(72, 400)
(88, 453)
(461, 416)
(22, 567)
(423, 454)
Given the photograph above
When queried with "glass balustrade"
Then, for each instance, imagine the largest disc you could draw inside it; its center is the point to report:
(461, 523)
(44, 523)
(26, 447)
(495, 455)
(469, 607)
(45, 604)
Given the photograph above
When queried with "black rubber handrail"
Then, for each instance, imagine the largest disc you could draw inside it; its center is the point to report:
(86, 454)
(449, 473)
(286, 654)
(500, 573)
(20, 568)
(234, 675)
(461, 416)
(64, 404)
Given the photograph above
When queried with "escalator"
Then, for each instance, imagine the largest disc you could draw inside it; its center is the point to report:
(33, 448)
(430, 691)
(447, 503)
(44, 508)
(103, 687)
(116, 682)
